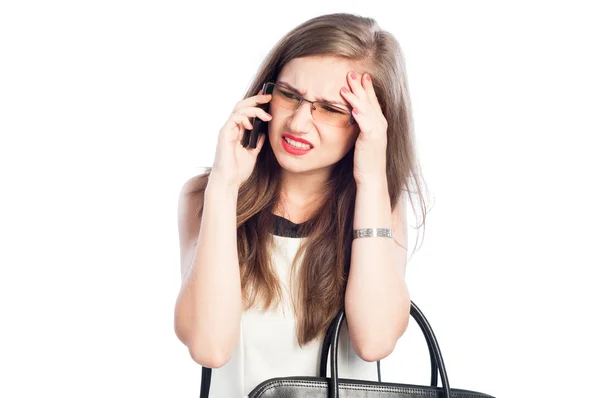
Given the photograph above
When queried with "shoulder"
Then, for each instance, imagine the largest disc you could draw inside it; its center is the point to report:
(191, 196)
(191, 192)
(195, 184)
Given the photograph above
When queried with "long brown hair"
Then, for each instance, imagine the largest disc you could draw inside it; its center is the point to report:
(326, 251)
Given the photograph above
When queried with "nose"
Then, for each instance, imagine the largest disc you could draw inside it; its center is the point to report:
(301, 118)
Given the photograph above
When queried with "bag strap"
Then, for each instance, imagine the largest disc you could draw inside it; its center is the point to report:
(415, 314)
(325, 351)
(205, 383)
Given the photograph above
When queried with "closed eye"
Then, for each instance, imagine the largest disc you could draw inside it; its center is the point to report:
(333, 110)
(289, 95)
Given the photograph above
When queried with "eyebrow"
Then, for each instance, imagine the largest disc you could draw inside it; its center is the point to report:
(319, 99)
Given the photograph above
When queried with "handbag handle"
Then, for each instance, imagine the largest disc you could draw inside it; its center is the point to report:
(415, 312)
(327, 344)
(333, 332)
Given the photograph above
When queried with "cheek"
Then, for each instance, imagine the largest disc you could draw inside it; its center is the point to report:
(350, 137)
(339, 144)
(274, 125)
(276, 111)
(277, 125)
(277, 117)
(350, 141)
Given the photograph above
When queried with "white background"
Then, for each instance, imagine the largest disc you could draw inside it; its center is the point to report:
(107, 108)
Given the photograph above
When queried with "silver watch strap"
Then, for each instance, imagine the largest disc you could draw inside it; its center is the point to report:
(369, 232)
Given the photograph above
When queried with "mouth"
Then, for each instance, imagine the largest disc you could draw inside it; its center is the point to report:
(293, 140)
(295, 147)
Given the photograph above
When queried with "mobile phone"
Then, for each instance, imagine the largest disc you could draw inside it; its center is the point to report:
(259, 126)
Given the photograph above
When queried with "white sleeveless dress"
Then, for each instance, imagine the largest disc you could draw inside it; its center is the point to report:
(268, 345)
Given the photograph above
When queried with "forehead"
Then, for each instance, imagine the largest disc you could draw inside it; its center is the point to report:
(318, 75)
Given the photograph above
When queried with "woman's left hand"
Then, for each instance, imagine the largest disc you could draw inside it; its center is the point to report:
(371, 144)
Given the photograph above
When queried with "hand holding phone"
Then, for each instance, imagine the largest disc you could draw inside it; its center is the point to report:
(259, 126)
(234, 162)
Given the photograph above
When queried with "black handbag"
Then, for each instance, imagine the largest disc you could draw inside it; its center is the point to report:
(335, 387)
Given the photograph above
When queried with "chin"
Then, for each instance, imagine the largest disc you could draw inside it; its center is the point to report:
(288, 164)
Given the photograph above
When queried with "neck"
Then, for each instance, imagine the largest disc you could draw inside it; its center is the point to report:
(300, 194)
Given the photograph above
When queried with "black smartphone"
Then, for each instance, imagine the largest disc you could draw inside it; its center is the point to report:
(259, 126)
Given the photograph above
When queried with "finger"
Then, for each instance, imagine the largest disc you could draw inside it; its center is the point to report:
(260, 143)
(243, 124)
(241, 120)
(255, 112)
(354, 81)
(253, 101)
(350, 97)
(367, 83)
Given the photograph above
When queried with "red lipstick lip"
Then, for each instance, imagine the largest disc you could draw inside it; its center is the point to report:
(293, 137)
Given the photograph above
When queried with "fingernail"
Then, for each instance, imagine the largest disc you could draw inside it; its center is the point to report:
(355, 111)
(353, 75)
(345, 90)
(368, 77)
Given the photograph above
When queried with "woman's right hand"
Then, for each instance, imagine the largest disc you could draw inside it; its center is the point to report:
(233, 163)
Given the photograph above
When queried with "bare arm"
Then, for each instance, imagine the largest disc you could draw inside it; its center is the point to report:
(377, 298)
(209, 306)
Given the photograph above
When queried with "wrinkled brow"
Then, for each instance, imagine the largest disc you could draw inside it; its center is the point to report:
(320, 99)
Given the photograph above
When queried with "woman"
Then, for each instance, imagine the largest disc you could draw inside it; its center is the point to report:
(269, 252)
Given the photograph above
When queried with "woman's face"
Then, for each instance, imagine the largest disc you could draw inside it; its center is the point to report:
(313, 77)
